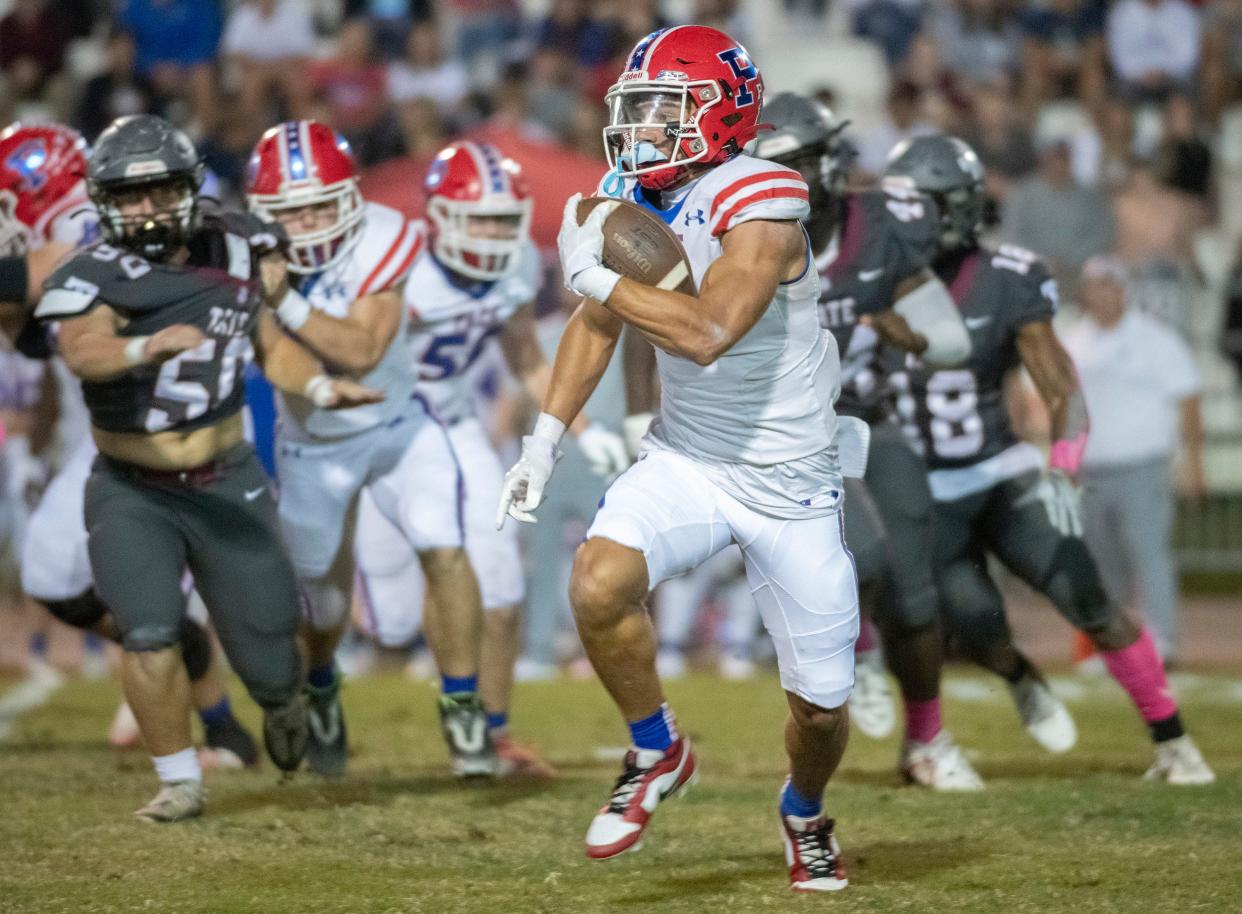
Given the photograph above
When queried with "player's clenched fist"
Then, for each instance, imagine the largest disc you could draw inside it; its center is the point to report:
(172, 341)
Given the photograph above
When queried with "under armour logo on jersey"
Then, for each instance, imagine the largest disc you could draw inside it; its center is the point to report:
(739, 62)
(698, 217)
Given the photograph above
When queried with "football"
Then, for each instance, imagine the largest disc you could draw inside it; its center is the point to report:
(639, 245)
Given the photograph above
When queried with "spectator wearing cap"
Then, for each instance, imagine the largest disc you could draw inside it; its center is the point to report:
(175, 43)
(1055, 216)
(1153, 46)
(270, 42)
(1142, 391)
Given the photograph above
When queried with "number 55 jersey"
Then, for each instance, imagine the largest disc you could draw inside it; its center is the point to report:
(957, 418)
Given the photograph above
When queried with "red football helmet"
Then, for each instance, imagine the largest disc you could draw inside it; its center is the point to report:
(479, 210)
(41, 168)
(690, 84)
(305, 163)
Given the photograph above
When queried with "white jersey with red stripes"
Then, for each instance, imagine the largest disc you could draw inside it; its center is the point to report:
(452, 318)
(769, 399)
(379, 261)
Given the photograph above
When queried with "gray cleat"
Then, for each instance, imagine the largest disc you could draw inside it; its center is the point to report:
(327, 751)
(285, 733)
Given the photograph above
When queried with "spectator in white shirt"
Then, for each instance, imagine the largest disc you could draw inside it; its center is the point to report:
(1142, 392)
(270, 42)
(1154, 46)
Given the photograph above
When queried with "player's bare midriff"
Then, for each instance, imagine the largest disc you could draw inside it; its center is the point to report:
(171, 450)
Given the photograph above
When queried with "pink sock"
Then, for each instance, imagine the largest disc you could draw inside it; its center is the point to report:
(922, 720)
(1138, 670)
(868, 637)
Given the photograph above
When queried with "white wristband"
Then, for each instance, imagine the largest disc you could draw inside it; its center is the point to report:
(319, 391)
(135, 350)
(597, 283)
(293, 310)
(549, 428)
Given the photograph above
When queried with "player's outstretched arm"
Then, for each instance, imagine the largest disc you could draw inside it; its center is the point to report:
(294, 370)
(354, 343)
(94, 351)
(1052, 371)
(736, 290)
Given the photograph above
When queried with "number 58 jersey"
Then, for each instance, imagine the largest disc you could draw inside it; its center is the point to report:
(217, 290)
(451, 320)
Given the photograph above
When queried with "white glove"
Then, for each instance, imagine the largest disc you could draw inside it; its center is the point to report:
(582, 251)
(524, 483)
(604, 450)
(634, 428)
(1061, 500)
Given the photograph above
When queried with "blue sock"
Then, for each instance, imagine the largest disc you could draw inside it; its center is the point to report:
(218, 712)
(38, 644)
(451, 684)
(795, 804)
(498, 720)
(654, 731)
(322, 676)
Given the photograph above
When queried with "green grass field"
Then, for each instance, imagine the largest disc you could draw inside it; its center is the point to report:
(1079, 833)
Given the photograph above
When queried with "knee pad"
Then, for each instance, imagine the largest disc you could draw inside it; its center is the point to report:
(916, 612)
(82, 611)
(1073, 585)
(326, 603)
(195, 649)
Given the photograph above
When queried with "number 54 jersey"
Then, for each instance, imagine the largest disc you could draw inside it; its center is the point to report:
(957, 418)
(451, 320)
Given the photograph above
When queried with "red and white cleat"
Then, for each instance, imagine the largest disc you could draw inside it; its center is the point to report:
(518, 761)
(813, 855)
(650, 777)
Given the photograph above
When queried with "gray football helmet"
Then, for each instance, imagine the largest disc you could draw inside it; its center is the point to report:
(948, 171)
(142, 150)
(806, 137)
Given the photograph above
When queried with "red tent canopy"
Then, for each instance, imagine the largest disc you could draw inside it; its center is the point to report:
(552, 171)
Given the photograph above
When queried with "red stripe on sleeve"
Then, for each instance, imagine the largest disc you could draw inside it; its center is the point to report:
(402, 270)
(365, 288)
(772, 193)
(746, 182)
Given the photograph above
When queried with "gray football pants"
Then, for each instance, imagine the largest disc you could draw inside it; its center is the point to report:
(1127, 522)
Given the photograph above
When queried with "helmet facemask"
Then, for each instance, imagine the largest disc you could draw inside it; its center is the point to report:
(320, 249)
(479, 239)
(961, 214)
(668, 109)
(155, 235)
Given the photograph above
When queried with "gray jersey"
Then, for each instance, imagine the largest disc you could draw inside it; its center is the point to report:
(957, 417)
(886, 236)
